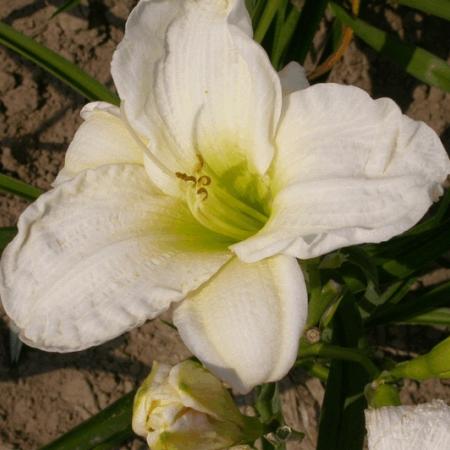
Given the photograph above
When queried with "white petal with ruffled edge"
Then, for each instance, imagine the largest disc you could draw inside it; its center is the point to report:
(103, 138)
(100, 254)
(421, 427)
(206, 87)
(245, 323)
(348, 170)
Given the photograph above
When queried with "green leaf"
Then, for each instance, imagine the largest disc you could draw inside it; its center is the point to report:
(310, 17)
(415, 60)
(419, 255)
(17, 187)
(66, 71)
(331, 411)
(268, 14)
(255, 9)
(416, 303)
(284, 38)
(440, 8)
(438, 316)
(6, 236)
(321, 301)
(342, 417)
(66, 6)
(110, 426)
(409, 254)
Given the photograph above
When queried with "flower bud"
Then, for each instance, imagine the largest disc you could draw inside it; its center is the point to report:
(435, 364)
(186, 408)
(379, 394)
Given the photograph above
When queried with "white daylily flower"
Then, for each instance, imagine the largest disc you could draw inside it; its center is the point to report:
(204, 187)
(421, 427)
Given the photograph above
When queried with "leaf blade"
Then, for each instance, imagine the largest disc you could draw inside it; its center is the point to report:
(114, 422)
(415, 60)
(66, 6)
(63, 69)
(18, 187)
(439, 8)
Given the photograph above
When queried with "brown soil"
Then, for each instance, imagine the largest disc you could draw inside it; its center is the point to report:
(46, 394)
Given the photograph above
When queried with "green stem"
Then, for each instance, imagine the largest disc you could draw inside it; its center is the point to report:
(315, 369)
(329, 351)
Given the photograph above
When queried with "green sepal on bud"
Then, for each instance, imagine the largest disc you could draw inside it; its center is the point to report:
(435, 364)
(379, 394)
(185, 407)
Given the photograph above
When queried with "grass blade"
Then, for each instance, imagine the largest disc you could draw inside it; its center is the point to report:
(310, 17)
(66, 6)
(439, 8)
(414, 304)
(17, 187)
(415, 60)
(438, 316)
(284, 37)
(66, 71)
(110, 426)
(267, 18)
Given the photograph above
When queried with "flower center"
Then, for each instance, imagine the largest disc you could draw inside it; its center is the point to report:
(234, 204)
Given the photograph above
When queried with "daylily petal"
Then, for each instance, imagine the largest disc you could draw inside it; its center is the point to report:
(100, 254)
(103, 138)
(198, 389)
(348, 170)
(245, 323)
(293, 78)
(420, 427)
(206, 87)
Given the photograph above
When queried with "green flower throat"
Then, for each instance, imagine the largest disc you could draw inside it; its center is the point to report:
(235, 204)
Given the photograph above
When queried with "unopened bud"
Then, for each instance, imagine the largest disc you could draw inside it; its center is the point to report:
(186, 408)
(435, 364)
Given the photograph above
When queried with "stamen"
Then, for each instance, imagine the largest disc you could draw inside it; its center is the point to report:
(186, 177)
(204, 180)
(204, 192)
(200, 164)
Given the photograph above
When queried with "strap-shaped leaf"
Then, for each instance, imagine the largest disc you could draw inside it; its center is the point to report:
(415, 60)
(66, 6)
(413, 305)
(266, 19)
(66, 71)
(310, 17)
(17, 187)
(438, 316)
(6, 235)
(106, 430)
(440, 8)
(284, 36)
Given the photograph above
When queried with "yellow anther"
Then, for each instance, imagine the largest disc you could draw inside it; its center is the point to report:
(204, 192)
